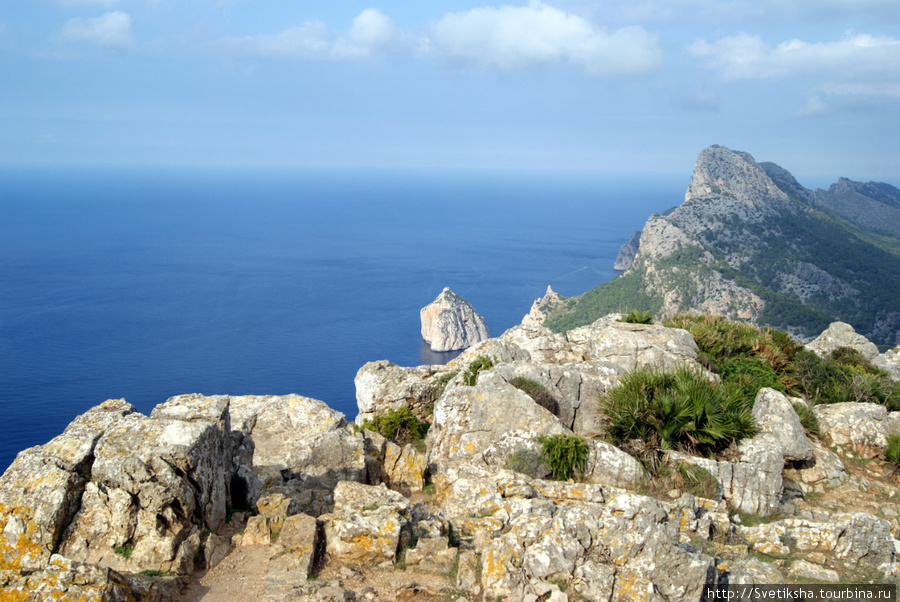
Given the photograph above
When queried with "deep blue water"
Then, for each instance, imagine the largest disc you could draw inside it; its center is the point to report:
(145, 284)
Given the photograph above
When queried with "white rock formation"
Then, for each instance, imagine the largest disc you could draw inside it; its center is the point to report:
(450, 323)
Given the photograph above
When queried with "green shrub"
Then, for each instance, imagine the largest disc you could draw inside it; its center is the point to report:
(679, 409)
(749, 374)
(721, 341)
(399, 425)
(482, 362)
(808, 419)
(637, 317)
(124, 551)
(536, 391)
(528, 462)
(843, 376)
(892, 451)
(698, 481)
(566, 455)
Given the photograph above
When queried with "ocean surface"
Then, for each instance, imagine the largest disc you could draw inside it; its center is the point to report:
(149, 283)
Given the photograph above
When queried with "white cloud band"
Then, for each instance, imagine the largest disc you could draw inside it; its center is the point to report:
(512, 37)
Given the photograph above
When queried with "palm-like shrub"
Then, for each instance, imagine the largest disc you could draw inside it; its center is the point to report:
(653, 410)
(566, 455)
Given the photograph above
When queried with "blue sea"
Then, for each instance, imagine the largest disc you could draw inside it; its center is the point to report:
(149, 283)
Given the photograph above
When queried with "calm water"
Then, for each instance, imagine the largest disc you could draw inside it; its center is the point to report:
(148, 284)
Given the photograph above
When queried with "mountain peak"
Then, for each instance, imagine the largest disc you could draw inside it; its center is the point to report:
(721, 171)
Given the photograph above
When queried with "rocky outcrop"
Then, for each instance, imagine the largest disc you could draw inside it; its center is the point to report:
(367, 523)
(627, 252)
(450, 323)
(383, 385)
(120, 493)
(540, 307)
(841, 334)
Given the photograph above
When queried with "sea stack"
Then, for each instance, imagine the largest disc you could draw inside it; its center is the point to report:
(450, 323)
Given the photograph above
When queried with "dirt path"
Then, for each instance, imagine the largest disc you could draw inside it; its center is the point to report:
(240, 576)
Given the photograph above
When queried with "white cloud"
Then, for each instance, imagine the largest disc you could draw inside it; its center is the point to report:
(748, 57)
(846, 74)
(370, 32)
(515, 37)
(110, 29)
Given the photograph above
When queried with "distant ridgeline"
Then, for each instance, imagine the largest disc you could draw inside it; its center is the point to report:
(749, 242)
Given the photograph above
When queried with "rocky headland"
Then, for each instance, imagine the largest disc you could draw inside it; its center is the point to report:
(750, 243)
(450, 323)
(123, 506)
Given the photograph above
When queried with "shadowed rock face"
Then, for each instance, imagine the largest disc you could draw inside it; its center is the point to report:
(450, 322)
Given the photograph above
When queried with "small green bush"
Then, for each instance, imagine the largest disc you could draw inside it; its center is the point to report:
(679, 409)
(528, 462)
(637, 317)
(482, 362)
(566, 455)
(843, 376)
(750, 374)
(536, 391)
(892, 451)
(399, 425)
(808, 419)
(124, 551)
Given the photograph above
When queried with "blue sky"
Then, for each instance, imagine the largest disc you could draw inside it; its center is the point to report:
(639, 85)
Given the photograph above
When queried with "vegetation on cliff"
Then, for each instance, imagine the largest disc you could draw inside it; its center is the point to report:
(749, 242)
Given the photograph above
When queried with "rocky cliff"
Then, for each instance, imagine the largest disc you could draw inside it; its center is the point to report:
(751, 243)
(450, 323)
(123, 506)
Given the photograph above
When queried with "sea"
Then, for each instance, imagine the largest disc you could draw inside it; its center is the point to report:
(144, 283)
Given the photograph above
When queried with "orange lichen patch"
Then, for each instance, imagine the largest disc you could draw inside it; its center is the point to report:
(14, 595)
(20, 538)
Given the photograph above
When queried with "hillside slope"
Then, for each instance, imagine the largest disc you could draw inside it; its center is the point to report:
(749, 242)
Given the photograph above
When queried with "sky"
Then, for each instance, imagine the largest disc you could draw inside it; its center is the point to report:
(597, 85)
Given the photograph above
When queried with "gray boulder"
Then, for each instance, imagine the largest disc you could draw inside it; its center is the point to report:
(383, 385)
(841, 334)
(864, 427)
(450, 322)
(367, 525)
(41, 490)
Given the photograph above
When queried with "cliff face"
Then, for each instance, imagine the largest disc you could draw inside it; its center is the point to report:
(450, 322)
(751, 243)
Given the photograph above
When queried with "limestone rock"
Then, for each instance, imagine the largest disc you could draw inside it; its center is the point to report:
(400, 468)
(41, 490)
(841, 334)
(68, 581)
(450, 322)
(627, 252)
(803, 569)
(538, 313)
(775, 415)
(298, 437)
(367, 523)
(746, 571)
(432, 555)
(292, 567)
(825, 468)
(153, 481)
(383, 385)
(862, 426)
(486, 423)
